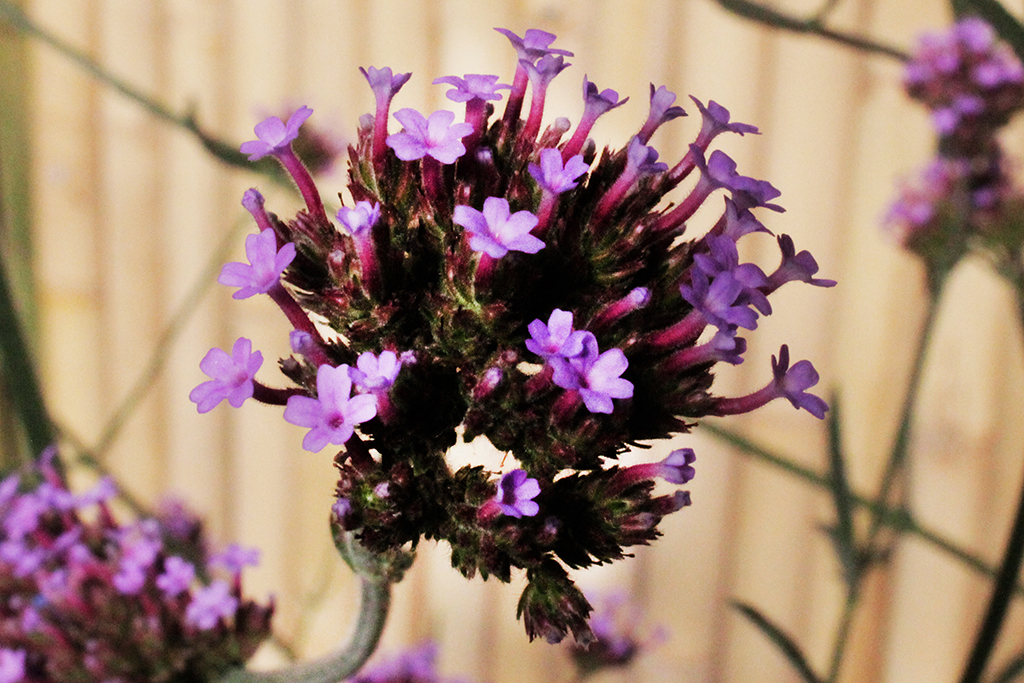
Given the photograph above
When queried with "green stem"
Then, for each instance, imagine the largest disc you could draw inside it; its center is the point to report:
(1013, 555)
(772, 17)
(227, 153)
(19, 370)
(373, 611)
(898, 455)
(897, 518)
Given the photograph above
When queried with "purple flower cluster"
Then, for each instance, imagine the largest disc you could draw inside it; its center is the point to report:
(84, 598)
(548, 297)
(972, 83)
(621, 634)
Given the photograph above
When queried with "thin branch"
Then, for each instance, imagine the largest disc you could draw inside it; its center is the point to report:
(814, 26)
(227, 153)
(898, 518)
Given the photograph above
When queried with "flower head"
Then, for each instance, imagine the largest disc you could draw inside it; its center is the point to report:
(437, 136)
(266, 263)
(273, 136)
(331, 417)
(231, 376)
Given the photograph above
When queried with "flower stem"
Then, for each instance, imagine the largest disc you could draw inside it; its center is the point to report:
(373, 611)
(17, 367)
(1009, 569)
(15, 17)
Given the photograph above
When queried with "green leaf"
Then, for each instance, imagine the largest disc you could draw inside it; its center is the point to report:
(843, 534)
(1012, 671)
(786, 645)
(1005, 24)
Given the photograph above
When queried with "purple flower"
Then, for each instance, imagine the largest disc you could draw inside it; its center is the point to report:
(557, 338)
(210, 604)
(437, 136)
(375, 374)
(661, 111)
(795, 267)
(723, 257)
(516, 493)
(274, 136)
(332, 416)
(494, 231)
(12, 665)
(534, 44)
(677, 468)
(266, 263)
(360, 219)
(791, 383)
(715, 120)
(552, 175)
(177, 576)
(717, 300)
(234, 558)
(739, 223)
(595, 103)
(472, 87)
(384, 83)
(130, 578)
(595, 376)
(232, 376)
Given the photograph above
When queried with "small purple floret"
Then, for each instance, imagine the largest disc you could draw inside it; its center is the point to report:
(210, 604)
(375, 374)
(437, 137)
(266, 263)
(472, 87)
(360, 219)
(556, 338)
(275, 136)
(495, 231)
(677, 468)
(177, 576)
(516, 493)
(596, 376)
(333, 415)
(236, 557)
(12, 665)
(791, 383)
(232, 376)
(555, 177)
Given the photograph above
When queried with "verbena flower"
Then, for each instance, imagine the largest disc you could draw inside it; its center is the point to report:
(231, 376)
(437, 136)
(333, 415)
(266, 263)
(550, 298)
(273, 136)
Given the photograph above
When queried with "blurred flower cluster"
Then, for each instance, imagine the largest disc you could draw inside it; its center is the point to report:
(495, 278)
(972, 83)
(86, 598)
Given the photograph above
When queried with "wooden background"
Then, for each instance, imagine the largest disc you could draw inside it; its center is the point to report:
(129, 214)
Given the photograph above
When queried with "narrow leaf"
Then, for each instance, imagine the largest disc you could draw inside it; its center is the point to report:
(1005, 24)
(843, 534)
(786, 645)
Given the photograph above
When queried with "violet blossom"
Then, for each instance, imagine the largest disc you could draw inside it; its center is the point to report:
(438, 136)
(375, 374)
(331, 417)
(661, 111)
(177, 576)
(595, 376)
(263, 272)
(556, 338)
(210, 604)
(273, 136)
(496, 231)
(554, 177)
(516, 492)
(12, 665)
(231, 376)
(595, 103)
(795, 267)
(360, 219)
